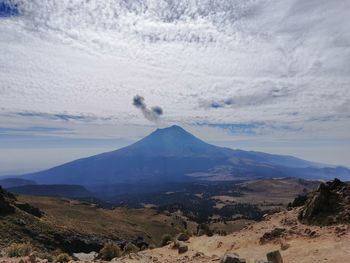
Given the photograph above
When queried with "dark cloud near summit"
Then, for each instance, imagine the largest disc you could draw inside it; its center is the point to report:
(151, 114)
(158, 110)
(139, 102)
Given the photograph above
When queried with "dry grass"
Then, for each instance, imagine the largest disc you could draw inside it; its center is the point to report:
(110, 251)
(120, 222)
(19, 250)
(63, 258)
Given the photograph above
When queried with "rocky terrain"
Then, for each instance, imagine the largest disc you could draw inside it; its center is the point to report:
(297, 243)
(302, 234)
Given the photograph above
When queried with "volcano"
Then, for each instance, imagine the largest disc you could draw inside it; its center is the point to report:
(174, 155)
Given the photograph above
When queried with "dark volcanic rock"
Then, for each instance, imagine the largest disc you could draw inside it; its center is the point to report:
(329, 204)
(30, 209)
(182, 247)
(274, 257)
(6, 200)
(272, 235)
(300, 200)
(231, 257)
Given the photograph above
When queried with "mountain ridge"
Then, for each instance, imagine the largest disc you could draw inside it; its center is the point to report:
(172, 154)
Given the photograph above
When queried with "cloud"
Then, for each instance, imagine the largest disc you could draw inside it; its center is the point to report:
(152, 114)
(8, 8)
(61, 116)
(260, 97)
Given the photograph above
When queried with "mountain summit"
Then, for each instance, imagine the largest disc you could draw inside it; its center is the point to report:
(172, 141)
(173, 155)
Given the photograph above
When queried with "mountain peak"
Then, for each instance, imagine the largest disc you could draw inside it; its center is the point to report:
(172, 128)
(173, 132)
(172, 140)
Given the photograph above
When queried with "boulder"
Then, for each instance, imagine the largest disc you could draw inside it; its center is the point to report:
(272, 235)
(274, 257)
(183, 237)
(29, 209)
(284, 244)
(329, 204)
(6, 200)
(182, 247)
(231, 257)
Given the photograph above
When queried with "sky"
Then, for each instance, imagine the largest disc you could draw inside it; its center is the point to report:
(264, 75)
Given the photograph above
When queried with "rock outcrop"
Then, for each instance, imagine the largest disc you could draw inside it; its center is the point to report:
(329, 204)
(6, 200)
(8, 204)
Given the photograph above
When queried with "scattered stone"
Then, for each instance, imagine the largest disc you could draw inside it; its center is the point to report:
(86, 256)
(231, 257)
(134, 256)
(198, 254)
(284, 244)
(272, 235)
(182, 247)
(183, 237)
(341, 231)
(274, 257)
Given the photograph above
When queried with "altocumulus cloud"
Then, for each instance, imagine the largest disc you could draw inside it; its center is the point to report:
(262, 61)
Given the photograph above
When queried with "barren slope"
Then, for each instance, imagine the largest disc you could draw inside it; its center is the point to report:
(308, 244)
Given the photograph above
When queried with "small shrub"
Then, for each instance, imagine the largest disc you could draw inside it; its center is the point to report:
(46, 256)
(203, 229)
(19, 250)
(152, 246)
(63, 258)
(220, 232)
(110, 251)
(165, 240)
(131, 248)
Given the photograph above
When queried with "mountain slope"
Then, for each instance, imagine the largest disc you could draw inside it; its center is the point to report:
(172, 154)
(69, 191)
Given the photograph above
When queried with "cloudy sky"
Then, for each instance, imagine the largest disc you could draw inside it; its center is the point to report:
(265, 75)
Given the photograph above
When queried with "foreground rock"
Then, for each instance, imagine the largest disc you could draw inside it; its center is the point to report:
(6, 200)
(182, 247)
(183, 237)
(274, 257)
(231, 257)
(329, 204)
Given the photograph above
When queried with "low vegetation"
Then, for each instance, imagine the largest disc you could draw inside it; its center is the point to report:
(63, 258)
(130, 248)
(166, 238)
(19, 249)
(110, 251)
